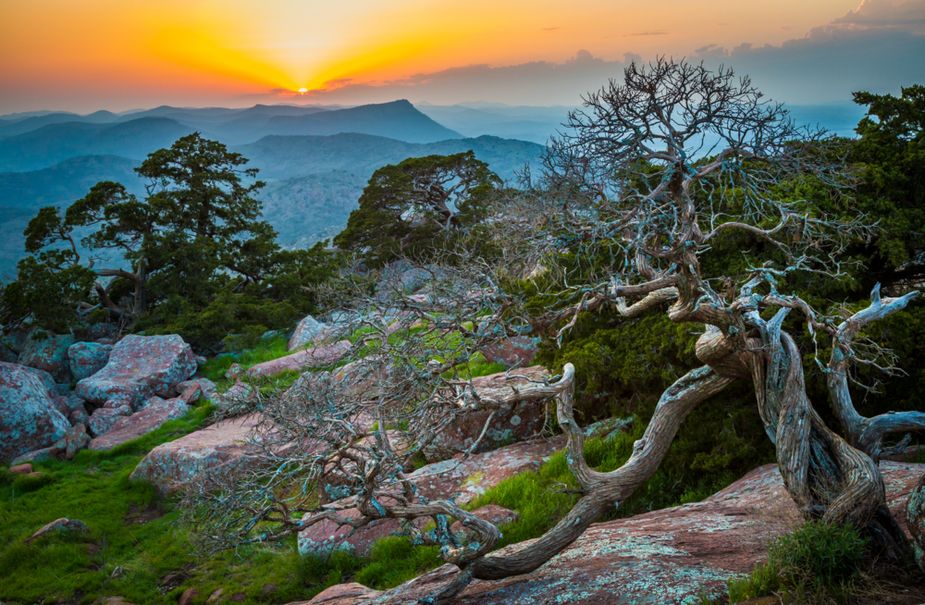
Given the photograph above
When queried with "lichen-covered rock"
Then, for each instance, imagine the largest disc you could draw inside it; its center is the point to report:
(104, 418)
(514, 352)
(156, 412)
(87, 358)
(465, 480)
(48, 352)
(206, 388)
(173, 465)
(326, 536)
(140, 367)
(29, 417)
(306, 332)
(321, 355)
(516, 422)
(667, 557)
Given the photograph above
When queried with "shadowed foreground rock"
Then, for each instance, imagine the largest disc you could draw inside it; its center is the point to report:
(665, 557)
(29, 416)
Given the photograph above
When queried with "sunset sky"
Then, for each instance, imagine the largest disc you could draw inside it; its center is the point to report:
(121, 54)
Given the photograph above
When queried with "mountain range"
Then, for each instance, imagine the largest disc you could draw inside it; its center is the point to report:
(314, 159)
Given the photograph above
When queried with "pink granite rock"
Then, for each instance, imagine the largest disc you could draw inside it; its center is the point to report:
(140, 367)
(341, 594)
(514, 352)
(318, 356)
(104, 418)
(516, 422)
(666, 557)
(156, 412)
(173, 465)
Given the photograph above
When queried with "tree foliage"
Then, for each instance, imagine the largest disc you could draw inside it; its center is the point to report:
(195, 243)
(418, 206)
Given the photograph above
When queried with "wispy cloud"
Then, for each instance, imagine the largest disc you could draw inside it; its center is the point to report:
(651, 33)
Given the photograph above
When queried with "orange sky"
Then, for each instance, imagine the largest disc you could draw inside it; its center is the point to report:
(116, 54)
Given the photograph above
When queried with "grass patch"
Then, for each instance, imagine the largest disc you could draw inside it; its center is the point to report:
(136, 547)
(272, 348)
(818, 563)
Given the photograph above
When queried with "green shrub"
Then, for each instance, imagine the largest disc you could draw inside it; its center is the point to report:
(818, 563)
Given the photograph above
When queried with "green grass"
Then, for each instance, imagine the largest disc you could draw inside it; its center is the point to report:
(818, 563)
(136, 547)
(272, 348)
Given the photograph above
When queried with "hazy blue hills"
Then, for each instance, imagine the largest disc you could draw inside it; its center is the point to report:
(313, 182)
(37, 142)
(288, 156)
(315, 159)
(14, 126)
(54, 143)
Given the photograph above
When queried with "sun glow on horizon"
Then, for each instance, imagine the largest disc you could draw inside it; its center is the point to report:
(193, 52)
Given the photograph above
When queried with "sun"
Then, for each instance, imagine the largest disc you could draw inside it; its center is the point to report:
(302, 90)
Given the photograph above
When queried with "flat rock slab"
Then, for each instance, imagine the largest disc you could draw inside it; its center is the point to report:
(670, 556)
(341, 594)
(155, 413)
(173, 465)
(321, 355)
(138, 368)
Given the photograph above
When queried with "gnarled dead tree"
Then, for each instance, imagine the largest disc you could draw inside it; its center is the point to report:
(649, 175)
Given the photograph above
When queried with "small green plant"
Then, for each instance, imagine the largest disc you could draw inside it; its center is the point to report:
(818, 563)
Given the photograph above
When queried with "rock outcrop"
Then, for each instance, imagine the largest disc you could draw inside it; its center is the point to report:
(321, 355)
(515, 422)
(48, 352)
(172, 466)
(87, 358)
(139, 367)
(306, 332)
(514, 352)
(156, 412)
(666, 557)
(29, 415)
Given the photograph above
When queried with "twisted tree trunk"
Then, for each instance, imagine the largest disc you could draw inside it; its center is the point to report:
(827, 478)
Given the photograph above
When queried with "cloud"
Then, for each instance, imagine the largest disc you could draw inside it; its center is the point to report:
(532, 83)
(878, 47)
(906, 16)
(652, 33)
